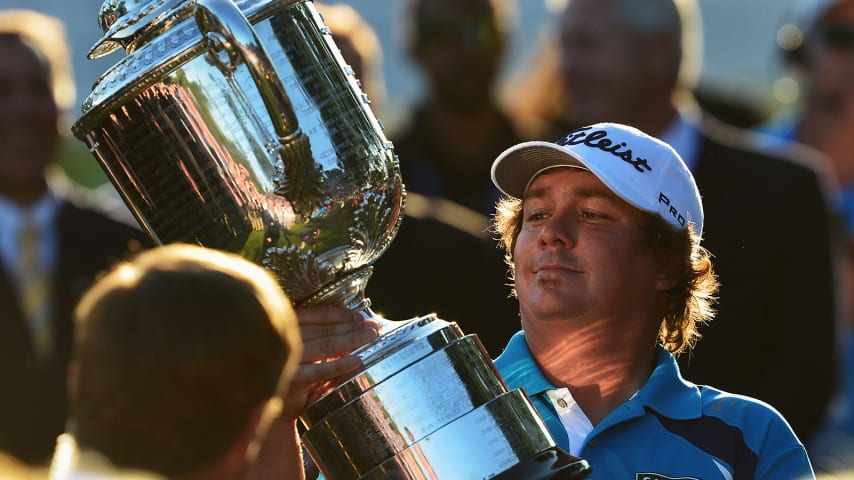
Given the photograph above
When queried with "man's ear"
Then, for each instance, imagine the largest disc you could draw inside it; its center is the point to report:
(255, 427)
(671, 270)
(665, 281)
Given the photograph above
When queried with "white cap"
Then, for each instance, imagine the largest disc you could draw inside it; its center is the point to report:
(642, 170)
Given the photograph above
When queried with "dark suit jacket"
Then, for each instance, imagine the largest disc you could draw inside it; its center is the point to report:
(770, 230)
(34, 399)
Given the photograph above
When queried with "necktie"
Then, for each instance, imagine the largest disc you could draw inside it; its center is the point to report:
(33, 287)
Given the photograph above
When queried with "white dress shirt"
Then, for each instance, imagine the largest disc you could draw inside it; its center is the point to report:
(12, 218)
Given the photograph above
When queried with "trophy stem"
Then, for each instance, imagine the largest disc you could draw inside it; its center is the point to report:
(349, 292)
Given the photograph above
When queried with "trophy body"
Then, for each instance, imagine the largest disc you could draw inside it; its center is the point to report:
(238, 126)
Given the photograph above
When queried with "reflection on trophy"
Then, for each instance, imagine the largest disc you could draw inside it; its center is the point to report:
(238, 126)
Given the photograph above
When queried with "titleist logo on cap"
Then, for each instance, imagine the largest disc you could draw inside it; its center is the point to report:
(599, 139)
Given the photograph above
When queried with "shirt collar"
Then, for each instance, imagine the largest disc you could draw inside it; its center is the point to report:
(13, 217)
(518, 368)
(665, 391)
(42, 212)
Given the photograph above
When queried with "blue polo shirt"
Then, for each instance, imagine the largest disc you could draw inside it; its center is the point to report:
(672, 429)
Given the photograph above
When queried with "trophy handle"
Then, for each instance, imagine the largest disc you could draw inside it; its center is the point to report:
(225, 28)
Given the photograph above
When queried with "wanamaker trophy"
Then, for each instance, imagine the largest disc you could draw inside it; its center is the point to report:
(237, 125)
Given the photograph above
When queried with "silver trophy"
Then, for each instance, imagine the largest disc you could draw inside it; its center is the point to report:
(238, 126)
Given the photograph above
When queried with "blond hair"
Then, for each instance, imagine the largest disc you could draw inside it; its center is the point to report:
(174, 350)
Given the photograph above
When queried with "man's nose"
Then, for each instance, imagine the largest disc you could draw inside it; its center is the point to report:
(559, 230)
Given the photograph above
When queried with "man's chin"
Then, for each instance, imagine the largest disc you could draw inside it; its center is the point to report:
(550, 303)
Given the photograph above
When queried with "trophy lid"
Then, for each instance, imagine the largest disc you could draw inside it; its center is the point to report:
(125, 22)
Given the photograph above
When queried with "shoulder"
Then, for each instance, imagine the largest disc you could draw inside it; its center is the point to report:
(748, 435)
(758, 149)
(757, 427)
(101, 205)
(746, 159)
(763, 147)
(84, 215)
(89, 232)
(740, 410)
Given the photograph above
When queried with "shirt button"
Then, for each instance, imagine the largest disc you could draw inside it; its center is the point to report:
(561, 403)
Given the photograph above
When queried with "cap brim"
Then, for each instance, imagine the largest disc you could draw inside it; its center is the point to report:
(515, 168)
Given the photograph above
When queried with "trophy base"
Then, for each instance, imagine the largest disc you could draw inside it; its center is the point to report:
(552, 464)
(429, 403)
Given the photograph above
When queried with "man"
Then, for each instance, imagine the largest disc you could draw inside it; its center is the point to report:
(185, 367)
(602, 233)
(51, 246)
(632, 61)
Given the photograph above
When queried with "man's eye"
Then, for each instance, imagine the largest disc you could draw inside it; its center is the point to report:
(591, 215)
(536, 216)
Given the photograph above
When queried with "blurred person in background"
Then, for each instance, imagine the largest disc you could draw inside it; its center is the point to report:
(51, 245)
(774, 337)
(817, 42)
(445, 154)
(446, 148)
(359, 47)
(543, 110)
